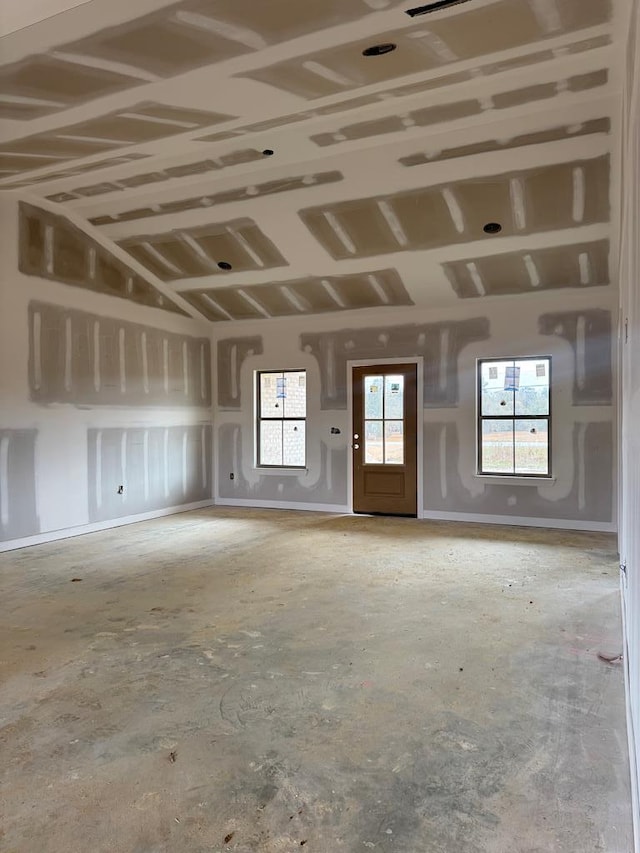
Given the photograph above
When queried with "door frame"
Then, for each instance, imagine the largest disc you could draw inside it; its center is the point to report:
(365, 362)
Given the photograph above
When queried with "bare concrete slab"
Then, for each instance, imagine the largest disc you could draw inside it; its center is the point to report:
(270, 681)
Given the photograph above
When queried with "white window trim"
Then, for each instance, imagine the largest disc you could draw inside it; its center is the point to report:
(510, 479)
(277, 470)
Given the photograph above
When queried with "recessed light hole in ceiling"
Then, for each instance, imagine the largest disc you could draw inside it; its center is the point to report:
(379, 49)
(224, 265)
(492, 228)
(433, 7)
(268, 152)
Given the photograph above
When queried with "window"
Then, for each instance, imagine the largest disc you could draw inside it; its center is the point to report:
(281, 418)
(514, 417)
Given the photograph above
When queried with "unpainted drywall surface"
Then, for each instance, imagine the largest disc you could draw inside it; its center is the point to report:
(18, 513)
(589, 333)
(85, 359)
(496, 27)
(76, 364)
(377, 225)
(590, 497)
(581, 489)
(156, 467)
(230, 355)
(438, 343)
(629, 371)
(53, 247)
(329, 487)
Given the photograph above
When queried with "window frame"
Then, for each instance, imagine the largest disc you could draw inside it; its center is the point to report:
(480, 418)
(258, 420)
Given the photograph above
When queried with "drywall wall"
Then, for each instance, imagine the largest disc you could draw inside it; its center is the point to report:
(630, 398)
(573, 327)
(97, 391)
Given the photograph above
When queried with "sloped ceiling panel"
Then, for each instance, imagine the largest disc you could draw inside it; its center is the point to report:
(53, 248)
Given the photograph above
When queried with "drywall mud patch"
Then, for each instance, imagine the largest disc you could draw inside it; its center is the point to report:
(246, 193)
(18, 510)
(168, 42)
(85, 359)
(580, 265)
(590, 497)
(143, 122)
(396, 123)
(157, 467)
(455, 110)
(599, 125)
(439, 343)
(231, 353)
(53, 248)
(529, 201)
(195, 252)
(471, 33)
(590, 335)
(72, 171)
(377, 289)
(330, 487)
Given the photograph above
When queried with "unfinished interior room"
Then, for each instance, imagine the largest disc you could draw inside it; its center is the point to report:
(320, 426)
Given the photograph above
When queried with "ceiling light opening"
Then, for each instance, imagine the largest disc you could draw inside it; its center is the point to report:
(492, 228)
(379, 49)
(434, 6)
(268, 152)
(224, 265)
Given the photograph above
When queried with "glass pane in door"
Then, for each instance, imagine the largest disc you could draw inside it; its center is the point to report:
(394, 442)
(373, 444)
(373, 396)
(393, 397)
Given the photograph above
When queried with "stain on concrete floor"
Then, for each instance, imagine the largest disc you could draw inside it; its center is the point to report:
(268, 681)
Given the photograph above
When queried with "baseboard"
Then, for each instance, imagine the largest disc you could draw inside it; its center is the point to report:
(309, 507)
(337, 509)
(68, 532)
(521, 521)
(632, 735)
(515, 521)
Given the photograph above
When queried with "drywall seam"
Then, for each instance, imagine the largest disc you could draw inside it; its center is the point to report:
(124, 364)
(116, 251)
(68, 532)
(18, 16)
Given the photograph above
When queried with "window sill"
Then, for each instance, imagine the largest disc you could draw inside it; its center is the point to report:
(281, 472)
(501, 480)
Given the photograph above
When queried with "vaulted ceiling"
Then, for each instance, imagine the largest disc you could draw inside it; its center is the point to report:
(241, 159)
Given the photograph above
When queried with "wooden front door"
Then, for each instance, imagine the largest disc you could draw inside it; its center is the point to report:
(384, 439)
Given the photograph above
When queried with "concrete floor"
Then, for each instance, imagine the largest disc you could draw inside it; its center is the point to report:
(270, 681)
